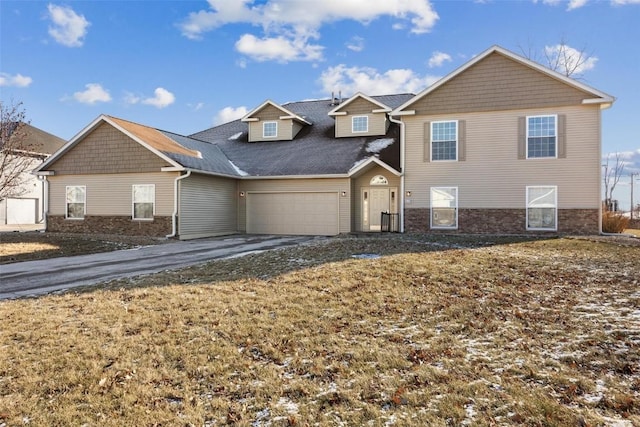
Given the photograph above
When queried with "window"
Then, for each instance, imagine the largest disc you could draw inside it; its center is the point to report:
(76, 201)
(270, 129)
(378, 180)
(444, 140)
(542, 212)
(360, 124)
(144, 197)
(541, 136)
(444, 207)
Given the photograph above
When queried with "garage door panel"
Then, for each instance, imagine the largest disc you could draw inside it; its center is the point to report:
(21, 211)
(303, 213)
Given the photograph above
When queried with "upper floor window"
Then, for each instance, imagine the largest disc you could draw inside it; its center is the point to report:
(360, 124)
(144, 200)
(541, 136)
(270, 129)
(76, 201)
(444, 140)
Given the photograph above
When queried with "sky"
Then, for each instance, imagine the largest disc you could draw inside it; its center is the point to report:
(184, 66)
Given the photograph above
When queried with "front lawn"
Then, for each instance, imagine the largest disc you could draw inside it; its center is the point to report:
(413, 331)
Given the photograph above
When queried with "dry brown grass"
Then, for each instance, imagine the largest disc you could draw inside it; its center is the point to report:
(28, 246)
(448, 331)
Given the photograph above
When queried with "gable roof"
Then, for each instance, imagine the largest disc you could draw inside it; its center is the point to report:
(34, 141)
(315, 151)
(383, 108)
(287, 114)
(179, 151)
(599, 97)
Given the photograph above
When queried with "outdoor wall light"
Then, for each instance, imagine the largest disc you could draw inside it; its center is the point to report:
(343, 194)
(408, 193)
(242, 194)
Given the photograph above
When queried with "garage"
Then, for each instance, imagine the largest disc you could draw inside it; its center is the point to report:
(21, 211)
(297, 213)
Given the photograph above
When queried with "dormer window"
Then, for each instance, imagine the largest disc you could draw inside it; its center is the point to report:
(359, 124)
(270, 129)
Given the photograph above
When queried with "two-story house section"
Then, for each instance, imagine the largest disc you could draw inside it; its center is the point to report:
(503, 145)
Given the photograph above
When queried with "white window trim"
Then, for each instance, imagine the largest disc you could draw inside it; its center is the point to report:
(555, 201)
(133, 202)
(264, 126)
(353, 119)
(526, 136)
(440, 227)
(431, 141)
(66, 204)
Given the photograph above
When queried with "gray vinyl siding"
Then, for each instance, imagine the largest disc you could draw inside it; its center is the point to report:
(208, 207)
(493, 176)
(111, 194)
(299, 185)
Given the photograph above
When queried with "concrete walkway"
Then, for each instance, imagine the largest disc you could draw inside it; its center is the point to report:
(33, 278)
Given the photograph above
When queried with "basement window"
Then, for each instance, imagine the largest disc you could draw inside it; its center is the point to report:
(144, 198)
(76, 205)
(444, 207)
(542, 208)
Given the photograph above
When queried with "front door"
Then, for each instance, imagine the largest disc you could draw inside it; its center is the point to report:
(375, 201)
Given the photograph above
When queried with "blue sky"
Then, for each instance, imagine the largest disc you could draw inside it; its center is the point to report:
(184, 66)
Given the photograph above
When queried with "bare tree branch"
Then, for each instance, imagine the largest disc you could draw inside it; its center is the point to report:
(562, 58)
(611, 177)
(16, 151)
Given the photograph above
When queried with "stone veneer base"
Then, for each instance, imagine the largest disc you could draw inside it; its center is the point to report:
(123, 225)
(504, 221)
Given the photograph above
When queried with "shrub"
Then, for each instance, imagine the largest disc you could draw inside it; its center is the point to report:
(614, 223)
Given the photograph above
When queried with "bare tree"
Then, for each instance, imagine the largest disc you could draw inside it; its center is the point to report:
(611, 175)
(16, 151)
(562, 58)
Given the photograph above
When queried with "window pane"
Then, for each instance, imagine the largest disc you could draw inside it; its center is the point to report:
(360, 124)
(541, 136)
(143, 210)
(270, 129)
(542, 218)
(541, 208)
(76, 194)
(542, 197)
(143, 193)
(444, 137)
(75, 210)
(444, 206)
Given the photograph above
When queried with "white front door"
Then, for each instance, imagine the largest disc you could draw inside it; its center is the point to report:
(378, 203)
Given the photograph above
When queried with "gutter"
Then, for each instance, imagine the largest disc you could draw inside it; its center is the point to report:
(402, 170)
(174, 216)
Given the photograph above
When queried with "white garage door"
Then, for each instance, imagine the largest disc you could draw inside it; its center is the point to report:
(293, 213)
(21, 211)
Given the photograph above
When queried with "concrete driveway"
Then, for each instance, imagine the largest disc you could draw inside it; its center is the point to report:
(33, 278)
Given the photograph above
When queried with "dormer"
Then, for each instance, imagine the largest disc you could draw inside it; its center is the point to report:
(360, 115)
(272, 122)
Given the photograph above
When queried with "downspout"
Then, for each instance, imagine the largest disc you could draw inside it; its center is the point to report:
(401, 195)
(174, 217)
(45, 200)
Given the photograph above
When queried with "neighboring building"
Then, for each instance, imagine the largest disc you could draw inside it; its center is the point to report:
(501, 145)
(25, 204)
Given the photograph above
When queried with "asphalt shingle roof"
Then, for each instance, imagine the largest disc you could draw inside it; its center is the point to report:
(314, 151)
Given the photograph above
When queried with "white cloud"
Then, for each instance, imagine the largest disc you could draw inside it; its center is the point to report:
(350, 80)
(162, 98)
(68, 27)
(568, 58)
(356, 44)
(279, 49)
(93, 94)
(229, 114)
(438, 58)
(17, 80)
(288, 25)
(576, 4)
(624, 2)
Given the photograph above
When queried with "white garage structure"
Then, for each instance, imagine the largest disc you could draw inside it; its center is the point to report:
(300, 213)
(22, 211)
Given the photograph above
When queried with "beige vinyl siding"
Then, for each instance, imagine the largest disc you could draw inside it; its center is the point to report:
(498, 83)
(107, 150)
(285, 129)
(492, 175)
(378, 125)
(208, 206)
(111, 195)
(336, 185)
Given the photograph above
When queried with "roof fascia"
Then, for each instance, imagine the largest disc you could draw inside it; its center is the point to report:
(497, 49)
(367, 164)
(295, 177)
(383, 108)
(287, 114)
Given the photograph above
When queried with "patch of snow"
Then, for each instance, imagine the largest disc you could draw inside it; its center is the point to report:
(378, 145)
(470, 412)
(288, 405)
(614, 422)
(366, 256)
(391, 421)
(242, 254)
(359, 162)
(235, 136)
(237, 169)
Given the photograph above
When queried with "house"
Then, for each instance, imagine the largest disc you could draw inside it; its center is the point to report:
(24, 194)
(501, 145)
